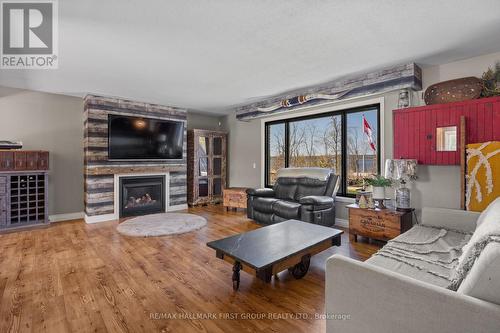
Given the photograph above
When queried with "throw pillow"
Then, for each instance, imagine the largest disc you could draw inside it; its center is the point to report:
(488, 230)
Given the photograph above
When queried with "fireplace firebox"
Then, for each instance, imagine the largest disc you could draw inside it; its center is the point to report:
(142, 195)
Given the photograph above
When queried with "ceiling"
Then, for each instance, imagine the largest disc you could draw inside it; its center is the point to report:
(213, 55)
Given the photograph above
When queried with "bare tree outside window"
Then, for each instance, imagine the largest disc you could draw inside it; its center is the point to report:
(276, 148)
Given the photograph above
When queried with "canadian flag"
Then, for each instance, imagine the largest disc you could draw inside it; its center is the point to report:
(369, 133)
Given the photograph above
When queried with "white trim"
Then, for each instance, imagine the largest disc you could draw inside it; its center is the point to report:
(177, 207)
(323, 108)
(66, 217)
(99, 218)
(342, 223)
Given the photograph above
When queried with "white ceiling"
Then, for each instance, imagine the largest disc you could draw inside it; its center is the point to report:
(212, 55)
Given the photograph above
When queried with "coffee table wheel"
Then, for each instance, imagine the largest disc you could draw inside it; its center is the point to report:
(300, 270)
(236, 285)
(236, 275)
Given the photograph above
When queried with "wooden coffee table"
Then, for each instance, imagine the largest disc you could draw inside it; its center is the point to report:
(269, 250)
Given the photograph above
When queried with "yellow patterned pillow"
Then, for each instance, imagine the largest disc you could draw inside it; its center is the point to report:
(483, 175)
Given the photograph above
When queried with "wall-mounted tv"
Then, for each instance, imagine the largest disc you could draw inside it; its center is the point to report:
(137, 138)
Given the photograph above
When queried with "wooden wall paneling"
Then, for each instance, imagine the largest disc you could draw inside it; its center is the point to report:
(463, 161)
(410, 134)
(422, 138)
(405, 76)
(99, 171)
(496, 121)
(489, 119)
(428, 137)
(495, 116)
(178, 188)
(482, 124)
(397, 126)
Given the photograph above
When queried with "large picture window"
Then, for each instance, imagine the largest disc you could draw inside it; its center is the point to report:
(345, 141)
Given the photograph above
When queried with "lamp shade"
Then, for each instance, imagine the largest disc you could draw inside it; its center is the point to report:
(400, 169)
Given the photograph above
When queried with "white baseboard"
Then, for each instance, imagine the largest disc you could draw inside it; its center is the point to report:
(342, 223)
(112, 217)
(100, 218)
(177, 207)
(66, 217)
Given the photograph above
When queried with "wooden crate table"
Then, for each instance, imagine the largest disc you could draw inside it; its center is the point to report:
(235, 197)
(380, 224)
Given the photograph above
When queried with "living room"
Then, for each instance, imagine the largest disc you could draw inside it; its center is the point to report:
(300, 167)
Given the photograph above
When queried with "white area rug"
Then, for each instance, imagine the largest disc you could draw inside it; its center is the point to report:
(161, 224)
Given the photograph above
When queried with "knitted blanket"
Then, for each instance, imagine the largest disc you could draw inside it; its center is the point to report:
(425, 253)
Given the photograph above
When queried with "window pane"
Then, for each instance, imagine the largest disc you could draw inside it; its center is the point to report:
(316, 143)
(361, 148)
(276, 148)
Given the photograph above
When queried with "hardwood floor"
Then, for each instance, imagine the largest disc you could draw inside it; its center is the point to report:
(75, 277)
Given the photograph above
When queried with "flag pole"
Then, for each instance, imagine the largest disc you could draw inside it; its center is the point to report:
(363, 126)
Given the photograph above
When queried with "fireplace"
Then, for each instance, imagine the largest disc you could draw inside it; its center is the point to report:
(142, 195)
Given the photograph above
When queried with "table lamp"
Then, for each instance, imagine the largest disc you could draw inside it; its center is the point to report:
(401, 171)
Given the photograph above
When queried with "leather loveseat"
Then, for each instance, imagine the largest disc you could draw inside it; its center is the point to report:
(306, 194)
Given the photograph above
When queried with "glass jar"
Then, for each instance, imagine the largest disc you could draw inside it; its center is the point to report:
(403, 197)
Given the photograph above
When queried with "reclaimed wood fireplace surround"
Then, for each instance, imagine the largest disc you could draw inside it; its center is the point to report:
(101, 174)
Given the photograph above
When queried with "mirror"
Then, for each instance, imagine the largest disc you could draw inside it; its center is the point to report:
(203, 146)
(203, 167)
(446, 138)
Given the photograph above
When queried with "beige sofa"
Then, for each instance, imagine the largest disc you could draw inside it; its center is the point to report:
(387, 295)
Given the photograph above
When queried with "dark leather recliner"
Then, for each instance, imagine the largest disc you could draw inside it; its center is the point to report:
(306, 194)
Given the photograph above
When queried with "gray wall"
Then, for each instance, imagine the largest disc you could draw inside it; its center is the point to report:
(204, 121)
(54, 123)
(437, 186)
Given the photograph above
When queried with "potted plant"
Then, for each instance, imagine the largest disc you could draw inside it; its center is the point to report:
(378, 183)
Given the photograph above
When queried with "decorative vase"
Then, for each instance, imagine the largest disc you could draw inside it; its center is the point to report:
(378, 192)
(403, 197)
(362, 202)
(359, 193)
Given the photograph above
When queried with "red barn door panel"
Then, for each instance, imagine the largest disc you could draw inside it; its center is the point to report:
(415, 128)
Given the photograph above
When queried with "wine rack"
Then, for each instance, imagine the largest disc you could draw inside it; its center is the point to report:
(23, 199)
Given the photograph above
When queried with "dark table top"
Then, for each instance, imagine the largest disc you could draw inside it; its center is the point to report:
(267, 245)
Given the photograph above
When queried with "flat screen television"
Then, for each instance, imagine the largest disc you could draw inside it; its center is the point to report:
(137, 138)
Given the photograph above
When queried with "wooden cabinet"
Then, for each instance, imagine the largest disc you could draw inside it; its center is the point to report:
(20, 160)
(23, 188)
(6, 160)
(416, 129)
(23, 160)
(43, 160)
(381, 224)
(206, 157)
